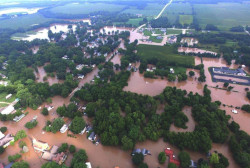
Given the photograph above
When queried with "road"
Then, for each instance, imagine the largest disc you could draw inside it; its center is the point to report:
(170, 2)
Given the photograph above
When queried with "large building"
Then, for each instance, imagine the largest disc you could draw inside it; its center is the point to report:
(227, 71)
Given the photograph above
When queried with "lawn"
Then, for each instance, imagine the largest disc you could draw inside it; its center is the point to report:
(153, 38)
(23, 21)
(185, 19)
(86, 8)
(164, 54)
(172, 31)
(223, 15)
(3, 99)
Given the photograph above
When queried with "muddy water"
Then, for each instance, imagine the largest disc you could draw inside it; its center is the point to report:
(194, 50)
(43, 32)
(35, 49)
(41, 74)
(113, 29)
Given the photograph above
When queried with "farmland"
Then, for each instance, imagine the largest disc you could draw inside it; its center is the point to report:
(223, 15)
(86, 8)
(24, 21)
(164, 53)
(185, 19)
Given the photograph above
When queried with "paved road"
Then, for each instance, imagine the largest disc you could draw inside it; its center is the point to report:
(164, 9)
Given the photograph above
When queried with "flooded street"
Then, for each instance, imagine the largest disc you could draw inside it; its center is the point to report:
(41, 74)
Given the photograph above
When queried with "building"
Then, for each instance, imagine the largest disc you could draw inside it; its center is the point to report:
(226, 70)
(193, 164)
(52, 155)
(92, 136)
(88, 165)
(143, 151)
(18, 118)
(6, 140)
(8, 96)
(170, 154)
(40, 146)
(8, 110)
(64, 128)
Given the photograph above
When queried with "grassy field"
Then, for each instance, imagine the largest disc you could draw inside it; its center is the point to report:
(135, 22)
(86, 8)
(3, 99)
(164, 53)
(223, 15)
(171, 31)
(152, 9)
(153, 38)
(185, 19)
(24, 21)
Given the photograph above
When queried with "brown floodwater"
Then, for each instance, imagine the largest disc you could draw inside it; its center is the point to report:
(113, 156)
(41, 74)
(194, 50)
(35, 49)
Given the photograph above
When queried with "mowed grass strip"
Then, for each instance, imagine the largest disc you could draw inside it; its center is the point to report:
(166, 54)
(185, 19)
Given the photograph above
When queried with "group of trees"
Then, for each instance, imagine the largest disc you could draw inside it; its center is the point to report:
(55, 126)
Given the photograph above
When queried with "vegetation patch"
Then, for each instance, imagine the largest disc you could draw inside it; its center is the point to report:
(185, 19)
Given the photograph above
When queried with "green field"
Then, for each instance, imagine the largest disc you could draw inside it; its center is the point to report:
(153, 38)
(23, 21)
(152, 9)
(185, 19)
(165, 54)
(86, 8)
(3, 99)
(223, 15)
(135, 22)
(172, 31)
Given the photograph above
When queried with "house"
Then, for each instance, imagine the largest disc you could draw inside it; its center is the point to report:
(40, 146)
(18, 118)
(159, 37)
(170, 154)
(5, 141)
(80, 76)
(52, 155)
(65, 57)
(9, 165)
(83, 131)
(8, 110)
(193, 164)
(88, 165)
(64, 128)
(5, 83)
(143, 151)
(171, 70)
(92, 136)
(1, 135)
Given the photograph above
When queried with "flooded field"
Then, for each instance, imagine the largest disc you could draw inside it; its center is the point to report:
(194, 50)
(41, 74)
(18, 10)
(43, 32)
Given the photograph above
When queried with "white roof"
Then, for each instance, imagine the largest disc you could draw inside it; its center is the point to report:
(1, 135)
(88, 165)
(8, 110)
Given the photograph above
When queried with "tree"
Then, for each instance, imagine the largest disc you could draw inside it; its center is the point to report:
(72, 149)
(172, 165)
(57, 125)
(226, 84)
(21, 164)
(162, 157)
(143, 165)
(248, 95)
(78, 157)
(14, 157)
(20, 135)
(45, 111)
(137, 159)
(77, 125)
(2, 149)
(63, 148)
(191, 73)
(246, 107)
(3, 129)
(127, 143)
(184, 159)
(214, 159)
(31, 124)
(51, 165)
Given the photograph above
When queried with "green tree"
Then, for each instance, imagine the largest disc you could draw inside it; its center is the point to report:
(226, 84)
(20, 135)
(191, 73)
(2, 149)
(143, 165)
(72, 149)
(172, 165)
(51, 165)
(57, 125)
(138, 158)
(14, 157)
(184, 159)
(45, 112)
(79, 157)
(214, 159)
(21, 164)
(127, 143)
(3, 129)
(77, 125)
(31, 124)
(63, 148)
(162, 157)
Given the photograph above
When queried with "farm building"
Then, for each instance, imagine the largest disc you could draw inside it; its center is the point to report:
(226, 70)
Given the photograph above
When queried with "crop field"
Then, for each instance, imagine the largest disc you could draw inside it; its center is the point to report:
(223, 15)
(185, 19)
(86, 8)
(134, 22)
(23, 21)
(173, 31)
(152, 9)
(164, 53)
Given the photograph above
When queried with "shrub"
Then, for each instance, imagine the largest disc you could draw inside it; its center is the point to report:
(72, 149)
(162, 158)
(14, 157)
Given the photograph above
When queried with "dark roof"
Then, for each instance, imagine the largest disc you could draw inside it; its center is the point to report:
(9, 165)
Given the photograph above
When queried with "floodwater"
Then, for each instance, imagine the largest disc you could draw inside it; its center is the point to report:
(147, 86)
(80, 20)
(19, 10)
(194, 50)
(41, 74)
(113, 29)
(42, 33)
(35, 49)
